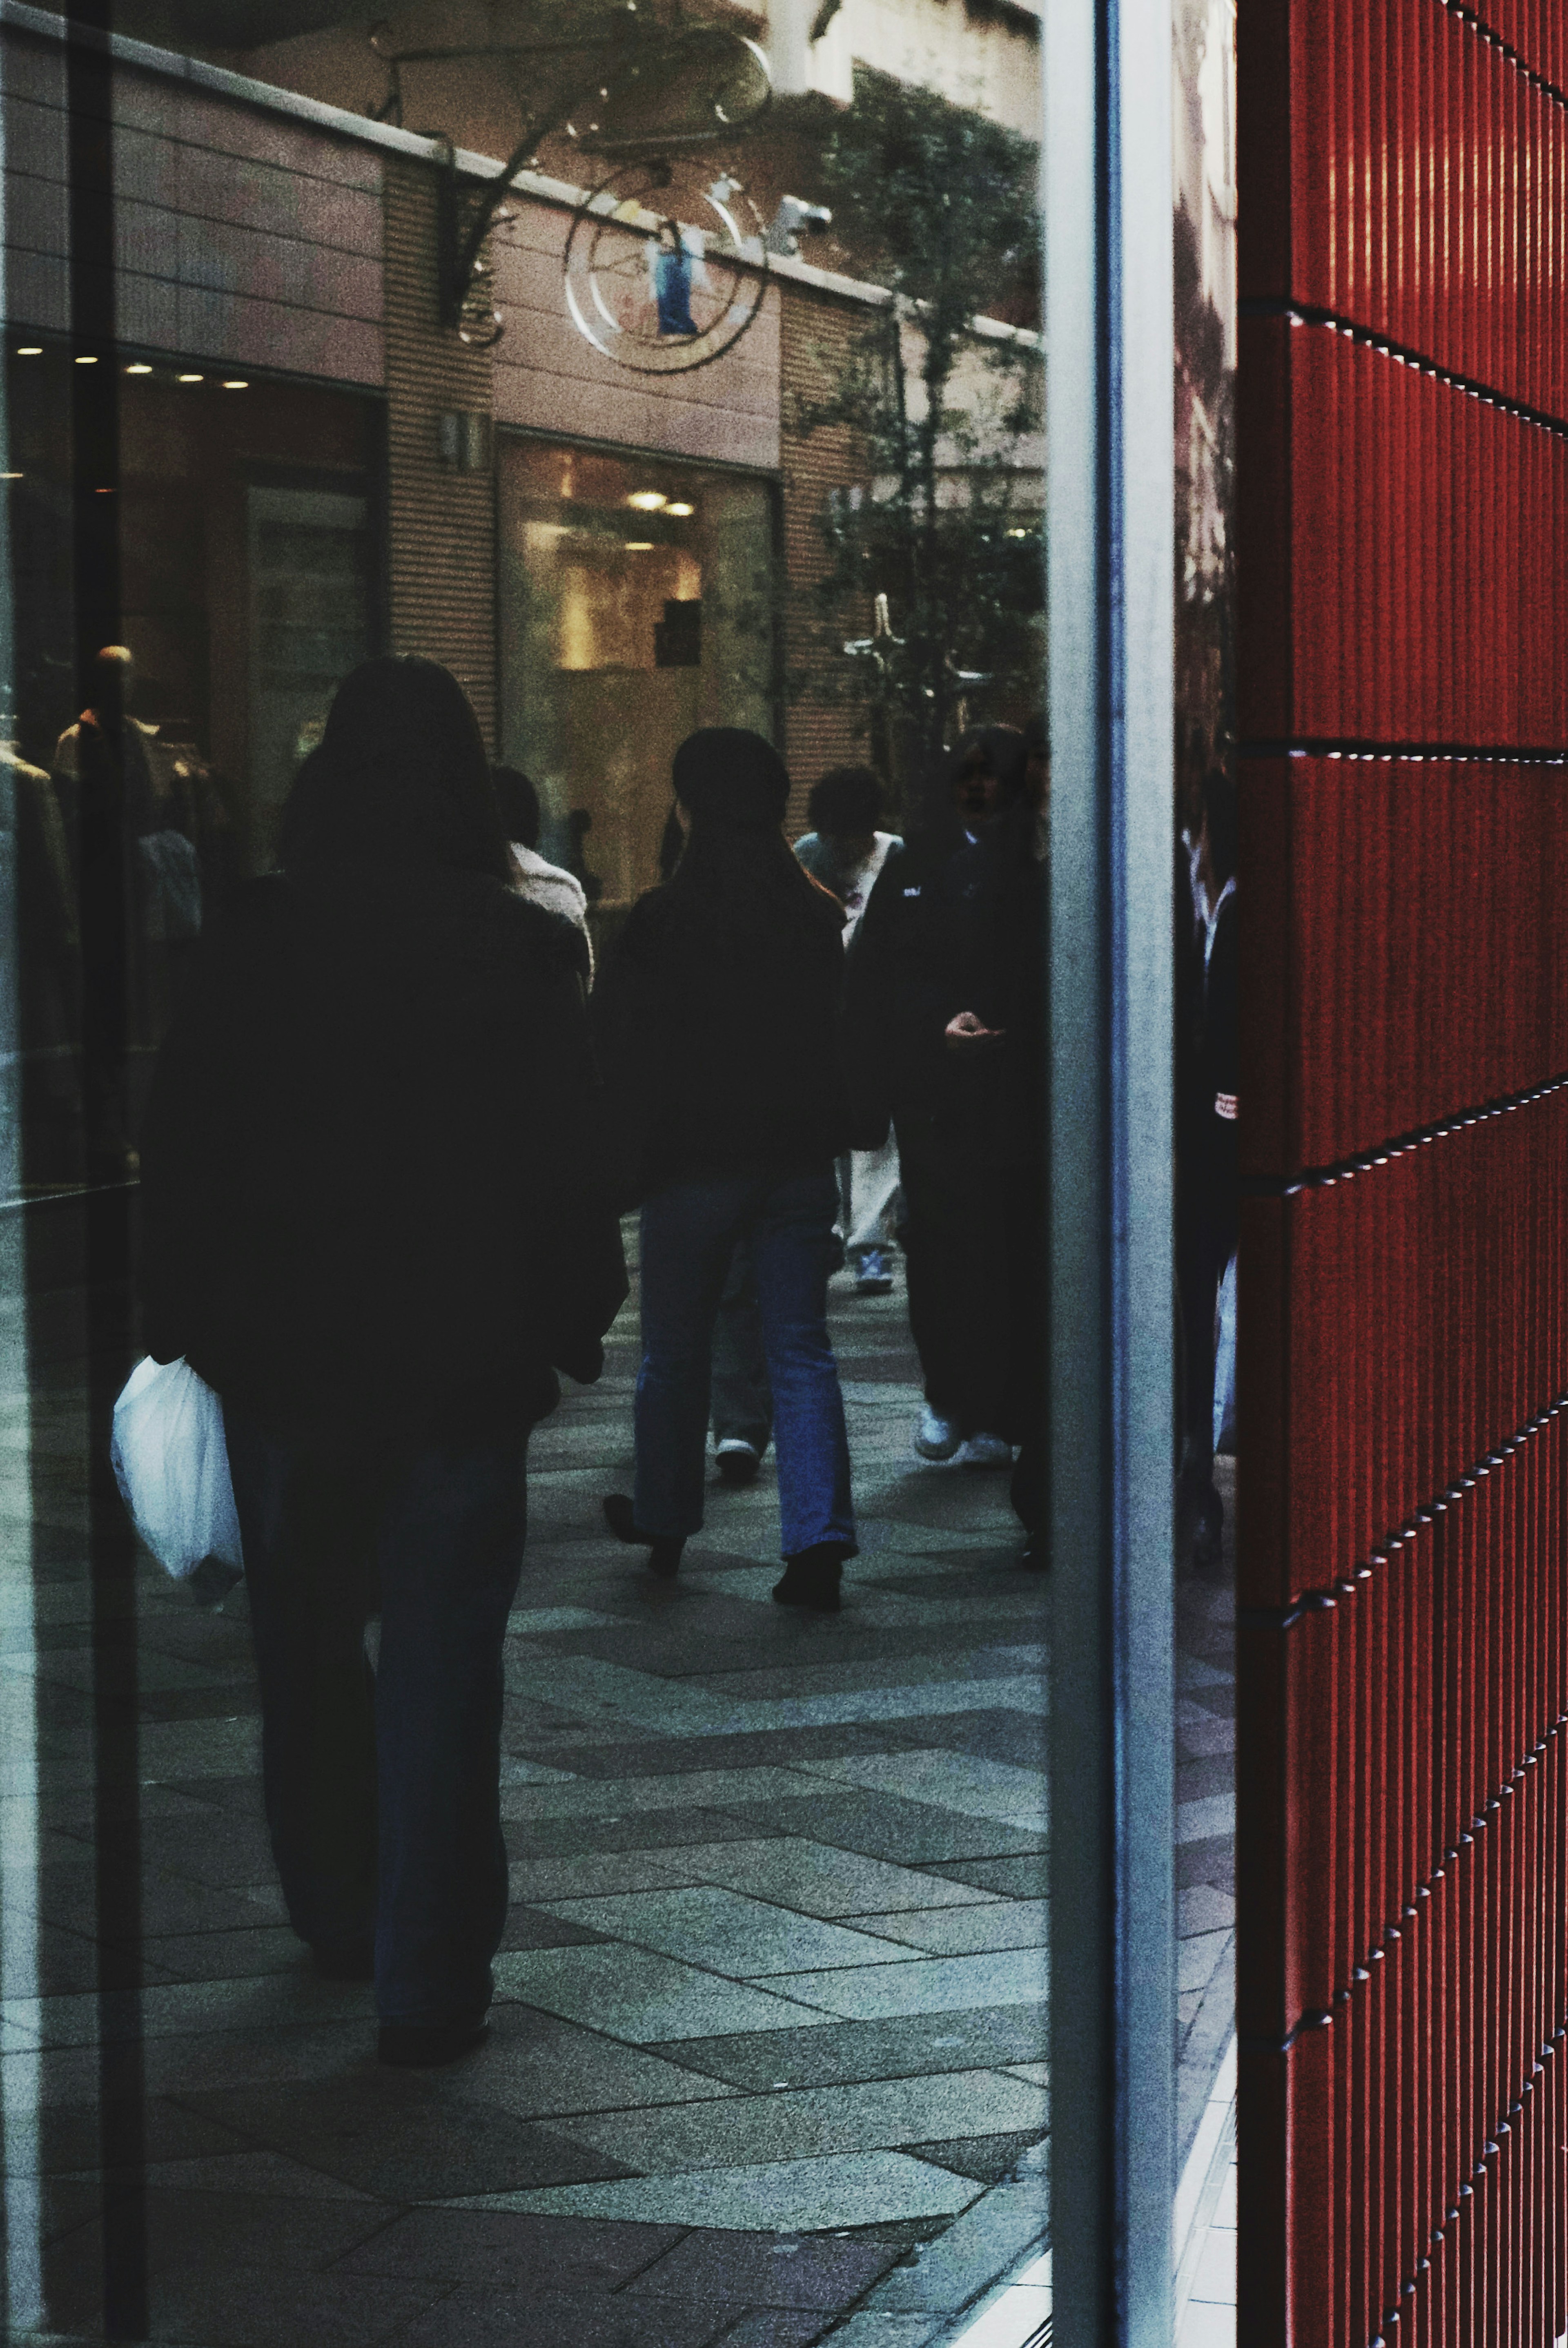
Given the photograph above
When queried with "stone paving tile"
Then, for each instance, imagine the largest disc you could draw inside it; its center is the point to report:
(986, 2158)
(883, 1825)
(629, 1830)
(786, 2271)
(994, 2036)
(973, 1787)
(747, 1750)
(638, 1996)
(257, 2307)
(919, 1985)
(536, 2067)
(967, 1931)
(500, 2250)
(816, 1879)
(280, 2230)
(227, 1956)
(768, 2198)
(525, 2319)
(723, 1930)
(808, 2123)
(379, 2131)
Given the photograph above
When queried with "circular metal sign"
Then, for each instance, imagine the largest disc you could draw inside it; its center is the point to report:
(665, 265)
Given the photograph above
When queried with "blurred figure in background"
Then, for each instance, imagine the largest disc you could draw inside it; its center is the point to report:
(946, 1032)
(558, 890)
(846, 852)
(1208, 1181)
(717, 1017)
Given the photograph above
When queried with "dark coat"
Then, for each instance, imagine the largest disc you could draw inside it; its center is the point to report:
(717, 1024)
(953, 925)
(371, 1178)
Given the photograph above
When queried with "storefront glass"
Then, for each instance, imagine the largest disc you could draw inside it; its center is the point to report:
(636, 604)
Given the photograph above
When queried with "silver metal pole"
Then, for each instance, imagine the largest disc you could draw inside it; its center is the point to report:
(1108, 221)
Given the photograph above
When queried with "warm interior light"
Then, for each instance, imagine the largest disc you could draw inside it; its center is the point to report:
(236, 383)
(640, 546)
(190, 378)
(648, 500)
(10, 476)
(30, 351)
(139, 367)
(682, 510)
(86, 359)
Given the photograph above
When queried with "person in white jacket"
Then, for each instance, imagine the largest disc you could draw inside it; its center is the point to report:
(549, 885)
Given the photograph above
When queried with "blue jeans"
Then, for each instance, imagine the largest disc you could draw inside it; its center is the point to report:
(689, 1235)
(383, 1790)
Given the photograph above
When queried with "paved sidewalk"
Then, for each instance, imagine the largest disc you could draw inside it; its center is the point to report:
(770, 2004)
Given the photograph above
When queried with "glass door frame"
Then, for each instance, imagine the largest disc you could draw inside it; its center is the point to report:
(1107, 203)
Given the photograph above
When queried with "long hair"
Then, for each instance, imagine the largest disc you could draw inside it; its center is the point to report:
(400, 777)
(736, 871)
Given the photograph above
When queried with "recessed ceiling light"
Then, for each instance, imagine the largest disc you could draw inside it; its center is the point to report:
(86, 359)
(10, 476)
(236, 383)
(682, 510)
(191, 378)
(648, 500)
(640, 546)
(30, 351)
(139, 367)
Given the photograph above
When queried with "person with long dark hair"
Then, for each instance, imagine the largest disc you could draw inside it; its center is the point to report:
(373, 1222)
(717, 1018)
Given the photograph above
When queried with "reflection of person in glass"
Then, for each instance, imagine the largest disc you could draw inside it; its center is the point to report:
(1207, 1123)
(946, 1001)
(128, 817)
(717, 1020)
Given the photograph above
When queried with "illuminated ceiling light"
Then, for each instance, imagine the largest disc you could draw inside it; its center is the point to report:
(86, 359)
(139, 367)
(30, 351)
(682, 510)
(648, 500)
(236, 383)
(11, 476)
(640, 546)
(191, 378)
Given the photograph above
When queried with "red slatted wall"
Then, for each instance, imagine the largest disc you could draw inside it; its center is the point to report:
(1403, 653)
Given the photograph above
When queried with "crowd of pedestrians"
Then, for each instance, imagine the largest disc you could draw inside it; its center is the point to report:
(394, 1128)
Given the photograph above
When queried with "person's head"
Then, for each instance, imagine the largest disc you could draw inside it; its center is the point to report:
(519, 804)
(986, 773)
(113, 682)
(728, 778)
(400, 777)
(846, 805)
(1221, 825)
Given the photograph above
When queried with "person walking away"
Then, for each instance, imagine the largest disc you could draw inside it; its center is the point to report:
(717, 1021)
(549, 885)
(374, 1221)
(846, 852)
(930, 1049)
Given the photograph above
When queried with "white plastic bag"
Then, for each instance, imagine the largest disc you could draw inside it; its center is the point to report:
(171, 1464)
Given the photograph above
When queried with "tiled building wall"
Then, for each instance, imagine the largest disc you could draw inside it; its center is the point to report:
(240, 237)
(821, 730)
(441, 523)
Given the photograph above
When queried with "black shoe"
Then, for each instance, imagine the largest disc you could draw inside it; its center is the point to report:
(413, 2046)
(663, 1551)
(353, 1958)
(811, 1579)
(737, 1461)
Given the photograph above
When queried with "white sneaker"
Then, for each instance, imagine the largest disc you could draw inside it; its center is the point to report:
(936, 1437)
(985, 1451)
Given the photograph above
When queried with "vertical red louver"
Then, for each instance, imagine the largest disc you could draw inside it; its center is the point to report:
(1403, 666)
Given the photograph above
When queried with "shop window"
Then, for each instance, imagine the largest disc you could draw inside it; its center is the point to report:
(636, 604)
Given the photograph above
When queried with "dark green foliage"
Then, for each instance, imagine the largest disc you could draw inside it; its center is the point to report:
(941, 203)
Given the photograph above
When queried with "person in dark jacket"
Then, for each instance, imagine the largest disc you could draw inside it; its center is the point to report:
(374, 1221)
(946, 1020)
(717, 1017)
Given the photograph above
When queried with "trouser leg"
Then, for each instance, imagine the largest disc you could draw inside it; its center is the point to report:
(792, 1244)
(450, 1553)
(688, 1235)
(307, 1517)
(955, 1240)
(742, 1403)
(873, 1188)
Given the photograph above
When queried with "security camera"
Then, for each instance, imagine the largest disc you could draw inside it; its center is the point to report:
(795, 218)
